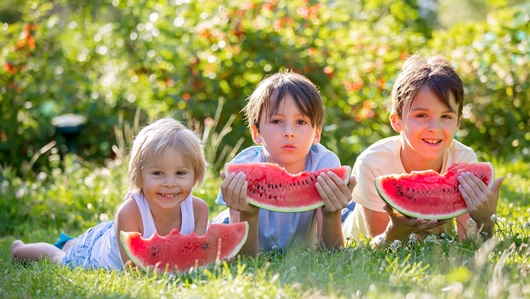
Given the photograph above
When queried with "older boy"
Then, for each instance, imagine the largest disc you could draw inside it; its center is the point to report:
(427, 101)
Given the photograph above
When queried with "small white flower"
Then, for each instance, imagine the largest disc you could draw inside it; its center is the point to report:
(5, 185)
(453, 231)
(293, 269)
(511, 223)
(527, 225)
(494, 218)
(442, 235)
(412, 238)
(470, 222)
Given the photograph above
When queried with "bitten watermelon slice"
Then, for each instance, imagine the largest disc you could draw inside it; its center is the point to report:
(429, 195)
(181, 252)
(272, 188)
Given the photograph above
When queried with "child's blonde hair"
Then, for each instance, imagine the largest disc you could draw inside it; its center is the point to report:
(154, 139)
(271, 91)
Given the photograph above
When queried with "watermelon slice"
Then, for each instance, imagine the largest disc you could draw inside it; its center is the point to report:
(181, 252)
(429, 195)
(272, 188)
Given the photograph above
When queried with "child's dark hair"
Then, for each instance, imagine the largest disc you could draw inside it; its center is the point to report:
(436, 73)
(271, 90)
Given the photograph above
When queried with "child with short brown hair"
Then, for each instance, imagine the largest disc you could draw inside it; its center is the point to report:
(427, 101)
(285, 115)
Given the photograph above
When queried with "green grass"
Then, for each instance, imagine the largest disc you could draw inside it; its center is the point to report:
(80, 195)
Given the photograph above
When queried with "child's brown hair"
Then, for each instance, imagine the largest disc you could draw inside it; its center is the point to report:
(436, 73)
(271, 90)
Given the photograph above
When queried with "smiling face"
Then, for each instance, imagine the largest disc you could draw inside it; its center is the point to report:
(427, 128)
(286, 136)
(167, 180)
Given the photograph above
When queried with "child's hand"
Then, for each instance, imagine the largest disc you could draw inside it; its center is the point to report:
(401, 226)
(481, 201)
(129, 265)
(334, 191)
(234, 191)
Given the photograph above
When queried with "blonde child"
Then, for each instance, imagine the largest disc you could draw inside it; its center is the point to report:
(285, 115)
(166, 162)
(427, 101)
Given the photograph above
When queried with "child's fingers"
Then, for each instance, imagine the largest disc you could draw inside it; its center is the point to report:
(464, 183)
(341, 185)
(431, 224)
(222, 175)
(469, 201)
(329, 187)
(479, 183)
(243, 194)
(225, 188)
(352, 184)
(240, 186)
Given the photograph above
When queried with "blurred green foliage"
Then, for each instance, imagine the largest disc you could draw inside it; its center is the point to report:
(106, 59)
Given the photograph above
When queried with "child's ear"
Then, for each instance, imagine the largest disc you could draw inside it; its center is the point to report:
(458, 124)
(318, 133)
(395, 122)
(255, 135)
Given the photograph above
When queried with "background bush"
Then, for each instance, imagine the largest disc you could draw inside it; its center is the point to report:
(108, 59)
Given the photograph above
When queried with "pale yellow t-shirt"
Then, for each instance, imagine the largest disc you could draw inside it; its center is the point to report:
(383, 158)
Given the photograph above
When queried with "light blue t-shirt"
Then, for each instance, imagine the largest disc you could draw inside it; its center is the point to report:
(284, 229)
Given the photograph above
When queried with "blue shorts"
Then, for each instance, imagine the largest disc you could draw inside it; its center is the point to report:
(79, 254)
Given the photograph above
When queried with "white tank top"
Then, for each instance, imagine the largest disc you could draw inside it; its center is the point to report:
(105, 253)
(187, 216)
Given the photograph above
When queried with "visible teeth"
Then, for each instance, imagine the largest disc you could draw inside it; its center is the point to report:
(432, 141)
(166, 195)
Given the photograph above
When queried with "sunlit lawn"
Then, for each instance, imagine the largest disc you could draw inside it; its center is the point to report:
(81, 195)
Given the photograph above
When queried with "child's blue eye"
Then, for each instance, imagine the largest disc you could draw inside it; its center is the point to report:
(157, 173)
(447, 116)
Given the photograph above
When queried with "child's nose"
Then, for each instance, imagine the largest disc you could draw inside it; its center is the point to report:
(170, 182)
(435, 126)
(288, 135)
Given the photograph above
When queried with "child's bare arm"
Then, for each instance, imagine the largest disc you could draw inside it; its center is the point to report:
(336, 195)
(234, 191)
(200, 210)
(481, 201)
(128, 219)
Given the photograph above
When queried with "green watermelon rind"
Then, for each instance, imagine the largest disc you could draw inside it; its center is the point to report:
(138, 263)
(403, 211)
(294, 209)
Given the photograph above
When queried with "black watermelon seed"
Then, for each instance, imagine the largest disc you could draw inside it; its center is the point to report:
(280, 185)
(276, 186)
(311, 179)
(154, 253)
(443, 190)
(269, 185)
(408, 188)
(205, 246)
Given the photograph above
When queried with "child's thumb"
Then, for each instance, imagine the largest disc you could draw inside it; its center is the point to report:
(497, 185)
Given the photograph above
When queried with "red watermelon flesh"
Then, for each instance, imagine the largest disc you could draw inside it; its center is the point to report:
(181, 252)
(272, 188)
(429, 195)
